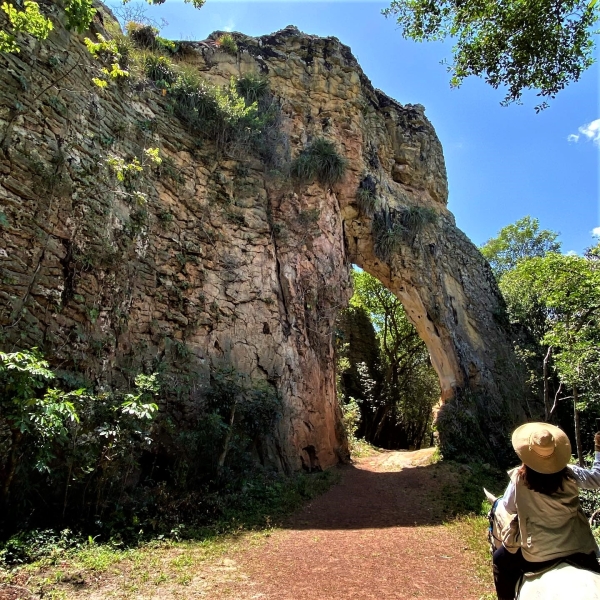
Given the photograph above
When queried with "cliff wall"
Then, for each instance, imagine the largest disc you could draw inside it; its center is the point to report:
(228, 261)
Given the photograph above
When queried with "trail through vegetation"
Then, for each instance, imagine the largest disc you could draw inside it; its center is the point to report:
(382, 532)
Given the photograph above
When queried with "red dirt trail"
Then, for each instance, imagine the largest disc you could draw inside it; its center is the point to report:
(376, 535)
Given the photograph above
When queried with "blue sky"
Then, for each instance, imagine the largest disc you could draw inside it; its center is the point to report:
(503, 163)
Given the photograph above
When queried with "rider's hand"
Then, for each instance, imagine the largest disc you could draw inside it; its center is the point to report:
(597, 442)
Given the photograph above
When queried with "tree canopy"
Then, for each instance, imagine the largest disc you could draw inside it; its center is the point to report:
(398, 394)
(542, 45)
(519, 240)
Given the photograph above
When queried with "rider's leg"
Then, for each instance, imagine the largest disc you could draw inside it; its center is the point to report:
(508, 568)
(585, 561)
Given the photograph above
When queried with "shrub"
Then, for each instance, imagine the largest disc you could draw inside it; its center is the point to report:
(252, 87)
(219, 113)
(320, 161)
(90, 441)
(142, 35)
(227, 44)
(160, 70)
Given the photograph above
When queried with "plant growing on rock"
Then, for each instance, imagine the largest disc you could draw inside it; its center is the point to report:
(396, 227)
(415, 218)
(29, 20)
(389, 235)
(252, 87)
(319, 161)
(227, 44)
(160, 70)
(366, 196)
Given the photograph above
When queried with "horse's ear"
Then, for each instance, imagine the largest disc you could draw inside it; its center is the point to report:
(490, 497)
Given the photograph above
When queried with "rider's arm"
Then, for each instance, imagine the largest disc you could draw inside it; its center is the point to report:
(509, 499)
(588, 479)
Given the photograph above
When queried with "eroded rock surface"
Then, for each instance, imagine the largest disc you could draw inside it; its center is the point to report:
(229, 262)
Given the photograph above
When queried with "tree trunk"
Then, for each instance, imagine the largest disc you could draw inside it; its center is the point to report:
(577, 429)
(11, 468)
(223, 455)
(547, 407)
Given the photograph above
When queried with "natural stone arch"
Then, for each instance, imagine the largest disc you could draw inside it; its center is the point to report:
(235, 264)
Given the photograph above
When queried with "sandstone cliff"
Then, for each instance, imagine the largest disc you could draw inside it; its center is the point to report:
(228, 261)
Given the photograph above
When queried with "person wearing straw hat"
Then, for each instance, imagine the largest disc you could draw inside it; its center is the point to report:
(543, 495)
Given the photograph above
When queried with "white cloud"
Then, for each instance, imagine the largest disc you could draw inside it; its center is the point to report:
(230, 25)
(596, 231)
(572, 253)
(590, 130)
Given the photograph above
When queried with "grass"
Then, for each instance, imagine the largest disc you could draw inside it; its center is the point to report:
(61, 567)
(394, 228)
(466, 513)
(227, 44)
(360, 448)
(252, 87)
(319, 161)
(367, 201)
(366, 196)
(389, 236)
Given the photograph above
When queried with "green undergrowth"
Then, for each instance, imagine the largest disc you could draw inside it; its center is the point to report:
(260, 506)
(466, 509)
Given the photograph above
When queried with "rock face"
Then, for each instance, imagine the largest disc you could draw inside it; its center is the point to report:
(228, 262)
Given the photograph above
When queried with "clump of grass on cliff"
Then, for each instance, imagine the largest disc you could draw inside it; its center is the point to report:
(388, 236)
(397, 227)
(320, 161)
(252, 87)
(366, 196)
(227, 44)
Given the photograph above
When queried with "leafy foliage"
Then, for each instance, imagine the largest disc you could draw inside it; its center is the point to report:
(517, 241)
(396, 391)
(227, 44)
(553, 304)
(79, 14)
(29, 20)
(83, 438)
(521, 44)
(320, 160)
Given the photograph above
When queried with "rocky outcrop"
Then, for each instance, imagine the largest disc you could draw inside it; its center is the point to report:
(228, 261)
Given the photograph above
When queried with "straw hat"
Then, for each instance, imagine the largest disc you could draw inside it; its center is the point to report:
(542, 447)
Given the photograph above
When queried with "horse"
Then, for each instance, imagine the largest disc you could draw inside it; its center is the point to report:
(558, 582)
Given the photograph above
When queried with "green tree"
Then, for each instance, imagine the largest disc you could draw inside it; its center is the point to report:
(36, 415)
(563, 294)
(522, 239)
(402, 404)
(541, 45)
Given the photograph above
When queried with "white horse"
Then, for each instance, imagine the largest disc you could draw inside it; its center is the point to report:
(560, 582)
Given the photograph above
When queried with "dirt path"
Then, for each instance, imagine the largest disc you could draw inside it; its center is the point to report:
(376, 535)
